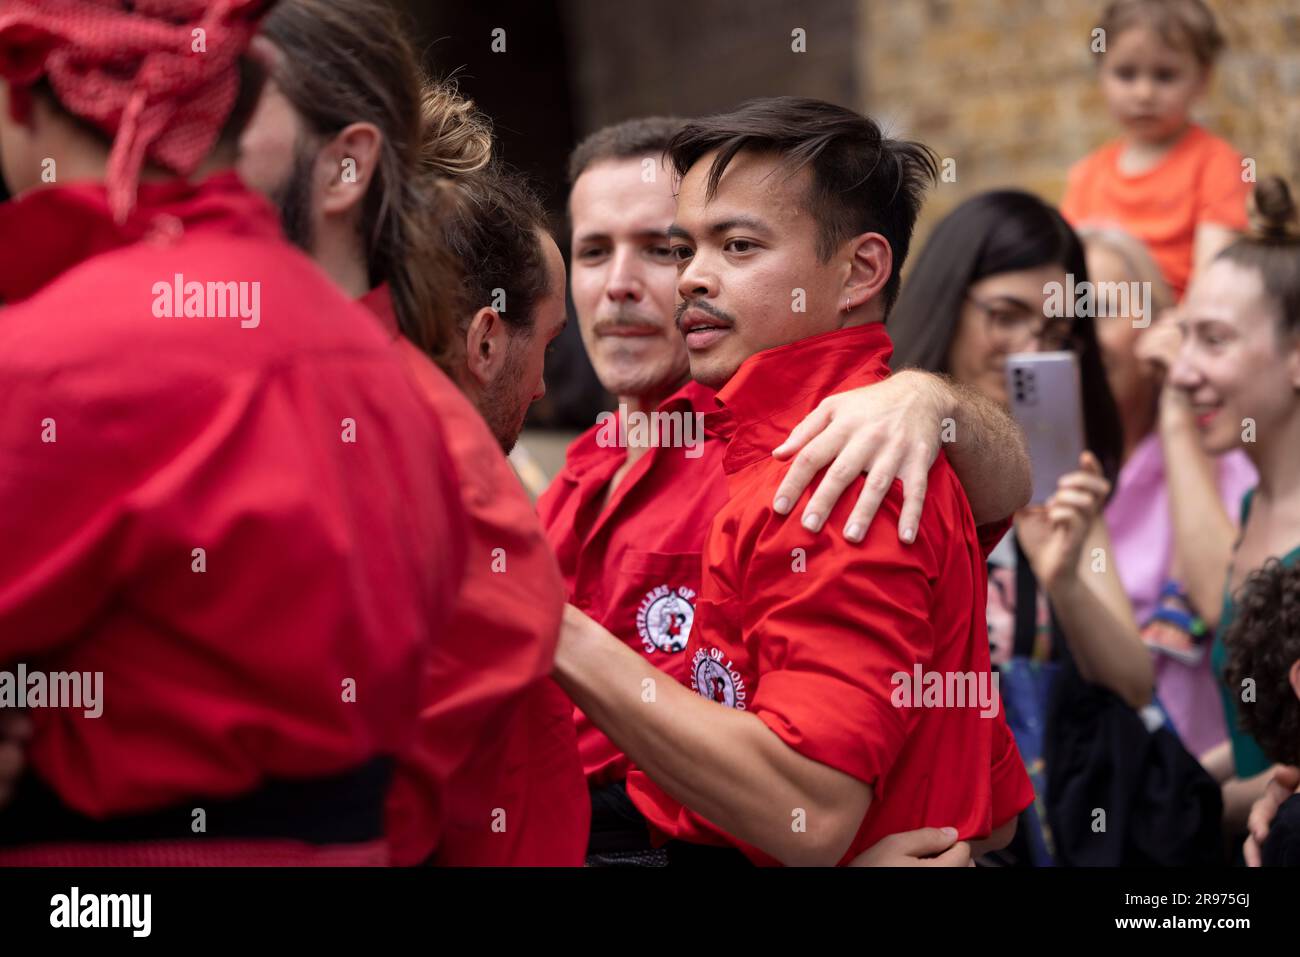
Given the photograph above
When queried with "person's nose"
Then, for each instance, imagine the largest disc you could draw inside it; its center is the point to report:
(1183, 373)
(625, 282)
(696, 280)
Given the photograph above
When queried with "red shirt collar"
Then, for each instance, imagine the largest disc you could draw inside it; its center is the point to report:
(586, 453)
(380, 303)
(772, 390)
(45, 232)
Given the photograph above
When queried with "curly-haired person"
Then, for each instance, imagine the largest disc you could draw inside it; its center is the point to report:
(1264, 647)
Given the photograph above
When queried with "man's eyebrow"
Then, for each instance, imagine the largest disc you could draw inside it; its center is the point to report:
(597, 235)
(723, 226)
(739, 222)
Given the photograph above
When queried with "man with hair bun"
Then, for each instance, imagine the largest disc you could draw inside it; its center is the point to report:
(494, 777)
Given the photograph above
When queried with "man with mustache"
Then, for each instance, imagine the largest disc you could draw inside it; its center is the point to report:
(722, 767)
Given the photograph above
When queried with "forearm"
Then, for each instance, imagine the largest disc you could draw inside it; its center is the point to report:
(1239, 795)
(1203, 531)
(755, 785)
(1208, 241)
(1097, 619)
(1217, 762)
(987, 453)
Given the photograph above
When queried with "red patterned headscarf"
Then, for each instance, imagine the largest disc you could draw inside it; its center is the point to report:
(158, 76)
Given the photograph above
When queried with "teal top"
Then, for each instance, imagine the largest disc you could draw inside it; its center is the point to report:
(1247, 755)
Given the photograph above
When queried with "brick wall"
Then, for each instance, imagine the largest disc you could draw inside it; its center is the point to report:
(1008, 88)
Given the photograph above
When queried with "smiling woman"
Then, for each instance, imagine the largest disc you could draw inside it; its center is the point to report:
(1240, 368)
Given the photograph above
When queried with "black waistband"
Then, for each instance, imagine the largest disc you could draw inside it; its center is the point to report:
(618, 827)
(343, 808)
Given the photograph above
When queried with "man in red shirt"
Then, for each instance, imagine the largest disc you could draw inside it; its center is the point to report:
(628, 521)
(494, 778)
(219, 493)
(803, 630)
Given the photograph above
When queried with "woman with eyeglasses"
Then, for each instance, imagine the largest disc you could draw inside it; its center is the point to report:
(977, 293)
(980, 291)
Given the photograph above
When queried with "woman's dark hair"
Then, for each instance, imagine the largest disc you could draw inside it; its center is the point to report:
(1263, 643)
(999, 232)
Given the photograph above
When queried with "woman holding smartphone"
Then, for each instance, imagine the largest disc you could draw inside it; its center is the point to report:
(978, 293)
(981, 291)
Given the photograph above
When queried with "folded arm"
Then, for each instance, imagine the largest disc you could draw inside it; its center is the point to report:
(725, 765)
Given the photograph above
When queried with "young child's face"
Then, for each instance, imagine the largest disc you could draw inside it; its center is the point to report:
(1150, 86)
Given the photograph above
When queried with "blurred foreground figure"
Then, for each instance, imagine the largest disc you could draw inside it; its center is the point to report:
(225, 509)
(494, 777)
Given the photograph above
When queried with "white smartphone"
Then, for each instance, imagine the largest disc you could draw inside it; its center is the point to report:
(1047, 402)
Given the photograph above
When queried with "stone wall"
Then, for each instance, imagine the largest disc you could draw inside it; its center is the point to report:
(1008, 88)
(638, 59)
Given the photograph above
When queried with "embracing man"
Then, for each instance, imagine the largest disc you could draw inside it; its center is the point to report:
(792, 221)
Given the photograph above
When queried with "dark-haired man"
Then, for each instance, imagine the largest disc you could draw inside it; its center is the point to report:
(804, 630)
(628, 523)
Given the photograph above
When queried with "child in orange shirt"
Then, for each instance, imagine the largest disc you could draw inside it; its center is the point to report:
(1171, 183)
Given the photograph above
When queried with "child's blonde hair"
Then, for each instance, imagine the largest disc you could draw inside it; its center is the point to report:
(1181, 24)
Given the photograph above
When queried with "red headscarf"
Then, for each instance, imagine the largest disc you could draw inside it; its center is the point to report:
(140, 71)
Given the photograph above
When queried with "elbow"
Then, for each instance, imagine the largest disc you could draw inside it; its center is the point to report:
(1137, 686)
(1137, 697)
(1141, 690)
(1020, 483)
(1001, 836)
(1013, 493)
(825, 842)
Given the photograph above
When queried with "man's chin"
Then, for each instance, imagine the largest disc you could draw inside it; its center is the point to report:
(713, 372)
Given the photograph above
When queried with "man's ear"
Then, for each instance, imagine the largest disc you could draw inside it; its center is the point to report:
(486, 343)
(347, 164)
(871, 262)
(1294, 677)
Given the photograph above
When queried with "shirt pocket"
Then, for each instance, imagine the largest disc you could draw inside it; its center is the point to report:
(661, 594)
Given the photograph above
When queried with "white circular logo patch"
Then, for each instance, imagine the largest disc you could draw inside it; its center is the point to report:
(714, 677)
(664, 619)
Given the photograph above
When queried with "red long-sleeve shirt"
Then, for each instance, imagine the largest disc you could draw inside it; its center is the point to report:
(494, 777)
(286, 444)
(633, 563)
(807, 631)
